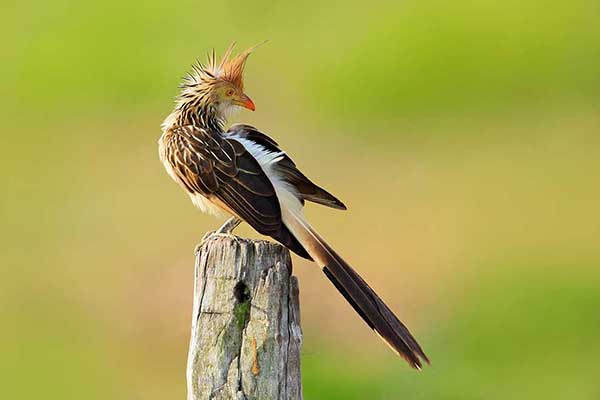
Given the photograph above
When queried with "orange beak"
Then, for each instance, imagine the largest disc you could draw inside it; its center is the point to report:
(246, 102)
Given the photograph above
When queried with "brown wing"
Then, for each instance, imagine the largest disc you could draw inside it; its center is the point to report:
(309, 190)
(216, 167)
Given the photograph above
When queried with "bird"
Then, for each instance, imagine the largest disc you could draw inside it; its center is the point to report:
(242, 172)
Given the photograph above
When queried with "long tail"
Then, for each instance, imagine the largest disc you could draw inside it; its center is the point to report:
(357, 292)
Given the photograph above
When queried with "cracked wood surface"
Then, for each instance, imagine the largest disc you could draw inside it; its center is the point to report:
(246, 337)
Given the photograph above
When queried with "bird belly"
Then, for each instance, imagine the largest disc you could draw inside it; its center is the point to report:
(207, 206)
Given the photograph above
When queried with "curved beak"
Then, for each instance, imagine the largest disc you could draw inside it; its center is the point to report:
(246, 102)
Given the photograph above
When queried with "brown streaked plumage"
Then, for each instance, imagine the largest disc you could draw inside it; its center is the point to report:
(244, 173)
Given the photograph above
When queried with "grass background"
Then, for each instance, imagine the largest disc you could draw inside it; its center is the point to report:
(464, 138)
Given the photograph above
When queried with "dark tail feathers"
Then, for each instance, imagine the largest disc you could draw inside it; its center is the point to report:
(372, 309)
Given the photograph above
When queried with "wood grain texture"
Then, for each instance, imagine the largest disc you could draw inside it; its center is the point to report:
(246, 337)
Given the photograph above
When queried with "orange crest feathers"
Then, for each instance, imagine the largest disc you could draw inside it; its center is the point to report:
(230, 69)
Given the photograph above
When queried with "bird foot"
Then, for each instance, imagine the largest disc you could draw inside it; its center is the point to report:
(225, 230)
(229, 225)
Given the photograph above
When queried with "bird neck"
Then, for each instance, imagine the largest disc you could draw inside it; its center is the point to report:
(200, 112)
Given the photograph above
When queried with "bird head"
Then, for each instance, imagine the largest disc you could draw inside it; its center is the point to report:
(219, 85)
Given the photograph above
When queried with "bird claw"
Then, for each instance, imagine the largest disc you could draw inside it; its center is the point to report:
(207, 236)
(225, 230)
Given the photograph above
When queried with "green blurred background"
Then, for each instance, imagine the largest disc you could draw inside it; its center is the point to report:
(475, 126)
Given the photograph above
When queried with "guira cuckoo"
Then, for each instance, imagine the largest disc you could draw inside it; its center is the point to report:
(244, 173)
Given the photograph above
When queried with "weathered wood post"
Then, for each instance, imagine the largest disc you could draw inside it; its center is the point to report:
(246, 336)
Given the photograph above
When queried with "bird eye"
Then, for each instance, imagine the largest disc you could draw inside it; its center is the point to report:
(229, 93)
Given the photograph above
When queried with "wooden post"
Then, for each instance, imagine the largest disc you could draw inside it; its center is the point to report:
(246, 336)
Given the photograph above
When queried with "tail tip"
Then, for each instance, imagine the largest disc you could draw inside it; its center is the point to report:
(417, 362)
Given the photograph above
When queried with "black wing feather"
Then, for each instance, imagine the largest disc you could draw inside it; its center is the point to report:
(309, 190)
(211, 165)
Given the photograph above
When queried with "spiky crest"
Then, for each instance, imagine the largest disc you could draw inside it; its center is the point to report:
(230, 68)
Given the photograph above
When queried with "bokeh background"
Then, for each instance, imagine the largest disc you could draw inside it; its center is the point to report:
(463, 136)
